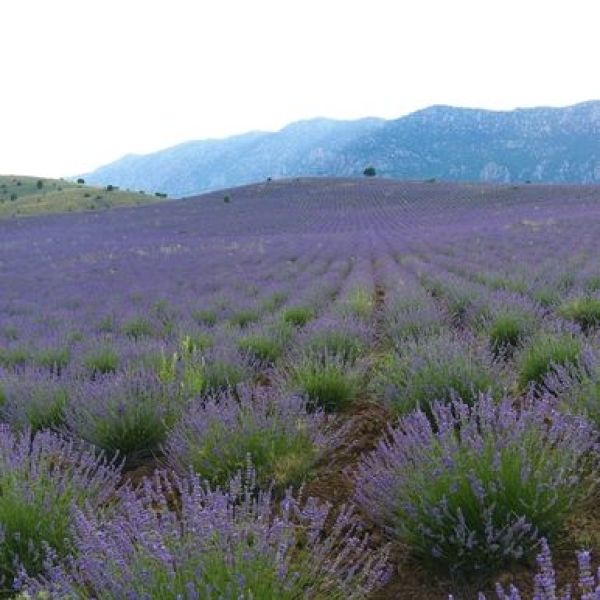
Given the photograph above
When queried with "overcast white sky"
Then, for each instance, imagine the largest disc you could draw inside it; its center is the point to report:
(83, 82)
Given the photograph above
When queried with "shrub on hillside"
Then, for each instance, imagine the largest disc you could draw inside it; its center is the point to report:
(370, 172)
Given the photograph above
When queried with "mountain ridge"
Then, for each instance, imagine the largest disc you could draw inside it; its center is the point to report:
(544, 144)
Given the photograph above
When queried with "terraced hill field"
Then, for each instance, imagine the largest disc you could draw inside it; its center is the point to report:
(426, 353)
(21, 196)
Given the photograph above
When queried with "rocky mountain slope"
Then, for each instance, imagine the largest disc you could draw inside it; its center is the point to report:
(442, 142)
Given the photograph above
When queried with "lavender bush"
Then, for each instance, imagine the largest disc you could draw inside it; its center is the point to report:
(475, 489)
(33, 398)
(438, 368)
(347, 338)
(41, 477)
(545, 586)
(327, 381)
(508, 330)
(215, 435)
(543, 354)
(126, 413)
(220, 545)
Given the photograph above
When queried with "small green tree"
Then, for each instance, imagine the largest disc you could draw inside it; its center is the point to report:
(369, 171)
(81, 181)
(39, 184)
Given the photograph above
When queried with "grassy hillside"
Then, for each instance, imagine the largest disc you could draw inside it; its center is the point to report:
(20, 195)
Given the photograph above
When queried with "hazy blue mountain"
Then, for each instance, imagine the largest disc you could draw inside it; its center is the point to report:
(537, 144)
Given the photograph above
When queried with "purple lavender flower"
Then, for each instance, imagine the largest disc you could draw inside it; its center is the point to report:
(475, 488)
(126, 413)
(545, 587)
(41, 477)
(216, 434)
(219, 544)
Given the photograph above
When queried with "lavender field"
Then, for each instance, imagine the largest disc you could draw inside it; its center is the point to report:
(311, 388)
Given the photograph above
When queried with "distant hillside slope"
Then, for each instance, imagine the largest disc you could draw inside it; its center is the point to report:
(442, 142)
(20, 195)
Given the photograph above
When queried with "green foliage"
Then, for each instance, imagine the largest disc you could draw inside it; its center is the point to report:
(30, 198)
(36, 504)
(508, 330)
(545, 351)
(592, 284)
(431, 371)
(369, 172)
(244, 317)
(46, 409)
(584, 311)
(102, 360)
(298, 316)
(205, 317)
(53, 358)
(106, 324)
(195, 342)
(265, 348)
(327, 382)
(218, 375)
(547, 296)
(274, 301)
(280, 457)
(137, 327)
(359, 304)
(583, 396)
(485, 482)
(14, 357)
(343, 344)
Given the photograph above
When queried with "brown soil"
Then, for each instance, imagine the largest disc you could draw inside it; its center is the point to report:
(362, 428)
(136, 474)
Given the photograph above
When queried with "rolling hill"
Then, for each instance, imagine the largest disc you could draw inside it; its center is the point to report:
(554, 145)
(21, 196)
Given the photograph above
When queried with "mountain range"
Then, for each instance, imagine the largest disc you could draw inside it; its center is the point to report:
(442, 142)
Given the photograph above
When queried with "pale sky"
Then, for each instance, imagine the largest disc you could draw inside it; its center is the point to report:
(83, 82)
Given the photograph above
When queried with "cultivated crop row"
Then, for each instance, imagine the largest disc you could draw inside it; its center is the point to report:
(315, 390)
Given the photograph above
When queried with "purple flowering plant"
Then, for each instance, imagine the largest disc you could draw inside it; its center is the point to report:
(545, 586)
(216, 434)
(218, 544)
(127, 413)
(471, 489)
(41, 477)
